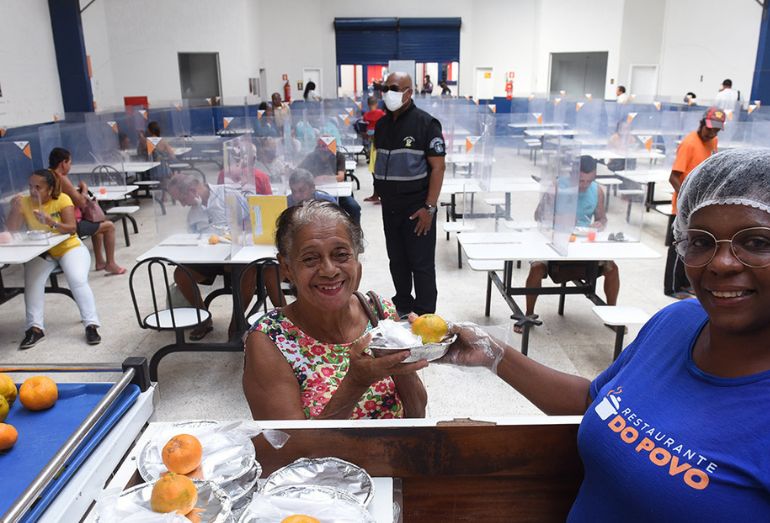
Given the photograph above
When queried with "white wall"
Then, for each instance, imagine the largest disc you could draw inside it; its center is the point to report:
(578, 26)
(28, 75)
(706, 41)
(642, 36)
(136, 49)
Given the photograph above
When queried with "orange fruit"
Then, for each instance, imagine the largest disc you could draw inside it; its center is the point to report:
(430, 327)
(300, 518)
(182, 454)
(4, 408)
(174, 493)
(213, 239)
(8, 436)
(195, 515)
(7, 388)
(38, 393)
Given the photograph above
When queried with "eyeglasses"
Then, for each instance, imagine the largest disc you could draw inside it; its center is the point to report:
(386, 88)
(750, 246)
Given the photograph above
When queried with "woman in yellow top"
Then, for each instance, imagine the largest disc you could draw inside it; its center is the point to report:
(47, 209)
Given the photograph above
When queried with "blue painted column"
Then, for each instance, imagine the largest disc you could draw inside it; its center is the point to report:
(760, 88)
(67, 29)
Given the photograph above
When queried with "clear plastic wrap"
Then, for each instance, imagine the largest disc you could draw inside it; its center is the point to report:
(133, 506)
(228, 452)
(273, 509)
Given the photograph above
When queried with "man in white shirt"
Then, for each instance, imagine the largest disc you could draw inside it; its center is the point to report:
(623, 97)
(726, 98)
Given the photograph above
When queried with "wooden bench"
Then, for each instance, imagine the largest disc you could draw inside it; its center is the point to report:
(617, 318)
(123, 214)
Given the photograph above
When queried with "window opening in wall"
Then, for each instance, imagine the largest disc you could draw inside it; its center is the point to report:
(579, 73)
(199, 76)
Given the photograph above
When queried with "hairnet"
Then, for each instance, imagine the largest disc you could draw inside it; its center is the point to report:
(734, 177)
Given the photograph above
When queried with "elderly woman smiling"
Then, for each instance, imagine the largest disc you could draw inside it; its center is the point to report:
(311, 359)
(676, 429)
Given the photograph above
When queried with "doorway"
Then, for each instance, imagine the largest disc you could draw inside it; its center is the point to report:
(199, 75)
(579, 73)
(313, 74)
(484, 86)
(643, 82)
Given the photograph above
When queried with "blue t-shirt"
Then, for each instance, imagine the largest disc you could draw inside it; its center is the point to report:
(664, 441)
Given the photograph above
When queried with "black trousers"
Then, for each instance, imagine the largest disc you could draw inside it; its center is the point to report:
(412, 259)
(674, 280)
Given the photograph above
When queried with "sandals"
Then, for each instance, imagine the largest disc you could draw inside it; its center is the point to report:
(200, 332)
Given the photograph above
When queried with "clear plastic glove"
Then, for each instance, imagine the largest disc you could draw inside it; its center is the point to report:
(473, 347)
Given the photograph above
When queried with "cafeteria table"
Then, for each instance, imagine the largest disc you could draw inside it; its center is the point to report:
(532, 245)
(22, 249)
(192, 249)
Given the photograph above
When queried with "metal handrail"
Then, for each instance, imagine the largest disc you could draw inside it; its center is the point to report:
(32, 492)
(60, 367)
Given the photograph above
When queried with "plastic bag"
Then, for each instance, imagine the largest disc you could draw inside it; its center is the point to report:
(227, 448)
(273, 509)
(393, 334)
(109, 509)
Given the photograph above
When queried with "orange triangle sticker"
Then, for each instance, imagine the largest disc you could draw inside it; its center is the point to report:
(657, 105)
(24, 146)
(350, 110)
(556, 101)
(260, 113)
(647, 142)
(578, 106)
(493, 108)
(470, 141)
(752, 107)
(538, 118)
(358, 104)
(152, 143)
(226, 121)
(143, 113)
(113, 125)
(630, 117)
(330, 142)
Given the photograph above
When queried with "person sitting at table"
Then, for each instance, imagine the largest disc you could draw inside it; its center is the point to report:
(102, 233)
(311, 359)
(48, 209)
(302, 185)
(208, 214)
(674, 429)
(324, 163)
(590, 213)
(162, 151)
(237, 172)
(281, 112)
(266, 126)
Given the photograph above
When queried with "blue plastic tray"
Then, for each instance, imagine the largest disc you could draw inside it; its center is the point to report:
(42, 434)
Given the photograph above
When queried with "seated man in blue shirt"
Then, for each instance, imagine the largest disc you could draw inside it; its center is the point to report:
(324, 163)
(302, 185)
(590, 213)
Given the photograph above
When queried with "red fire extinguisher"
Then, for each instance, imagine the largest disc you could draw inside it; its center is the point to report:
(509, 86)
(287, 91)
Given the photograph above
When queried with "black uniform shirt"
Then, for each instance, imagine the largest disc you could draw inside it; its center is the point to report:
(403, 146)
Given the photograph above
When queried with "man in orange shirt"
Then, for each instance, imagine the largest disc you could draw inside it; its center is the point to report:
(695, 147)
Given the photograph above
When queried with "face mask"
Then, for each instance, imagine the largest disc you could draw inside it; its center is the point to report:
(393, 100)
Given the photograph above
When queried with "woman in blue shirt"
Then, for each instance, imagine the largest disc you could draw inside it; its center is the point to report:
(676, 428)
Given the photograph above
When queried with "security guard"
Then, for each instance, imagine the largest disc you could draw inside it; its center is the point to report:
(408, 174)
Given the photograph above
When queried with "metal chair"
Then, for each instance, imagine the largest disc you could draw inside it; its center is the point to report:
(164, 314)
(261, 289)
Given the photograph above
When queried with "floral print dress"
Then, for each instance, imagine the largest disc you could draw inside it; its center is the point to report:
(320, 368)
